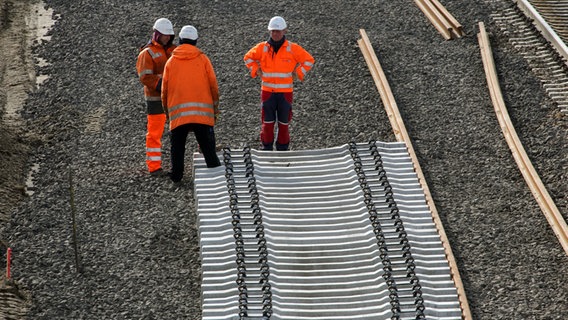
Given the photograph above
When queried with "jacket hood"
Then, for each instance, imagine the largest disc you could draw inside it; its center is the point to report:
(186, 51)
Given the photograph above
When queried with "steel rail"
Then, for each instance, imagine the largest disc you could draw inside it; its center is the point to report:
(441, 18)
(534, 182)
(402, 136)
(540, 23)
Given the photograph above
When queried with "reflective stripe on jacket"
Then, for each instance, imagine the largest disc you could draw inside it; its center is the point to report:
(150, 66)
(278, 68)
(189, 88)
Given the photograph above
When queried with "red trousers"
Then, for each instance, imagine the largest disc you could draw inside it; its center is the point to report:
(276, 106)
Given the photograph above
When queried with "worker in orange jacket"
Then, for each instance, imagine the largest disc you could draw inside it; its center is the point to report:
(150, 66)
(190, 95)
(278, 62)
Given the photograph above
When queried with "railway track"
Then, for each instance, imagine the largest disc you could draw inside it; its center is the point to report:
(537, 29)
(555, 13)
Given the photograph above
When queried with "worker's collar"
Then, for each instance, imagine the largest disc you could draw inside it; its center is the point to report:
(276, 44)
(188, 41)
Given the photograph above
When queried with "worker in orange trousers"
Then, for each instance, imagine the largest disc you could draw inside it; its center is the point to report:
(150, 66)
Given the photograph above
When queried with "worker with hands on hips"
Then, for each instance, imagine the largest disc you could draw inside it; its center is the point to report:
(278, 62)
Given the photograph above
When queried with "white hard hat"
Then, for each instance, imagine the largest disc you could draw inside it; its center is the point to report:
(164, 26)
(188, 32)
(277, 23)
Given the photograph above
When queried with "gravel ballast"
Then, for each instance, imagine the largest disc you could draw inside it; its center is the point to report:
(137, 235)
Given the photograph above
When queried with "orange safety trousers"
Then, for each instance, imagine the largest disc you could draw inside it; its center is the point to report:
(155, 131)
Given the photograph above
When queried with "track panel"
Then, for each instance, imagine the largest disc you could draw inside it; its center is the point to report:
(339, 233)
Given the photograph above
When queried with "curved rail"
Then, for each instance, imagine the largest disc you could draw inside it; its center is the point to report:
(536, 186)
(402, 136)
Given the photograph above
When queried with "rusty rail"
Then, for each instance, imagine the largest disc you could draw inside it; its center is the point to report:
(441, 18)
(402, 135)
(530, 175)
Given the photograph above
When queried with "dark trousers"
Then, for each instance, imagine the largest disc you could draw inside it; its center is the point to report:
(205, 136)
(276, 107)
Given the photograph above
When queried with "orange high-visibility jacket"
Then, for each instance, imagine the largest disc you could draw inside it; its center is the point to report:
(189, 88)
(150, 66)
(278, 69)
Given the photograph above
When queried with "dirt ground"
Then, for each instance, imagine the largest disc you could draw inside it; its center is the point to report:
(18, 26)
(14, 85)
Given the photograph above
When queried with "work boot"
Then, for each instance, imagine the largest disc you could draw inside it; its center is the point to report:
(281, 147)
(267, 147)
(158, 173)
(176, 185)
